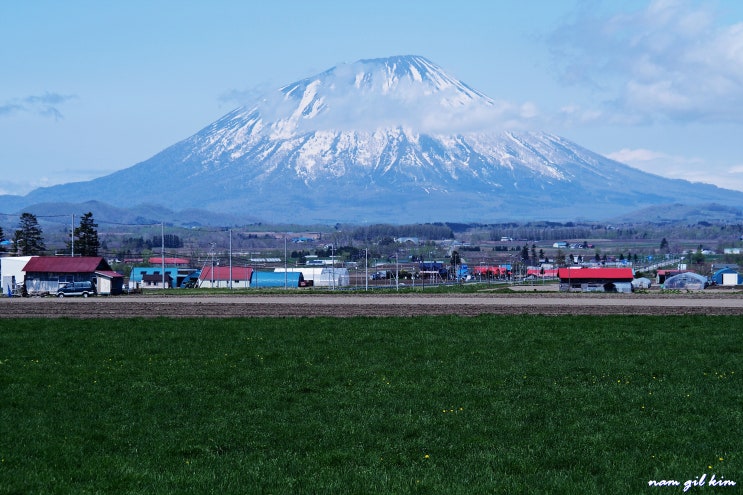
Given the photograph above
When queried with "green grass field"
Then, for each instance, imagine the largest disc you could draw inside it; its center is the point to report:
(493, 404)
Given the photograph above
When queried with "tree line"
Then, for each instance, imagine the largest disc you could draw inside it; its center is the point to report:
(28, 238)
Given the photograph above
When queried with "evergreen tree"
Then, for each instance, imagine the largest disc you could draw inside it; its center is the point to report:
(86, 237)
(28, 238)
(697, 257)
(455, 261)
(525, 254)
(560, 258)
(2, 238)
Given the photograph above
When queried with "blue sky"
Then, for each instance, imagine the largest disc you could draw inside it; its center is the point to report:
(90, 87)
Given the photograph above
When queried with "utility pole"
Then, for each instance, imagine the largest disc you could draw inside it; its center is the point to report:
(397, 274)
(332, 259)
(162, 250)
(211, 254)
(286, 275)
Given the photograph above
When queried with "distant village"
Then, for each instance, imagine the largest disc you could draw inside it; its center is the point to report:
(586, 258)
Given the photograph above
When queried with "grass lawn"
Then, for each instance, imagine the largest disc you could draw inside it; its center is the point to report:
(492, 404)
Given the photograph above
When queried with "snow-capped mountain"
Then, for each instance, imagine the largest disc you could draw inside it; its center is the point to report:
(384, 140)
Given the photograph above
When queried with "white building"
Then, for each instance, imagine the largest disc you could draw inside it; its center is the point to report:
(11, 270)
(308, 273)
(322, 276)
(333, 277)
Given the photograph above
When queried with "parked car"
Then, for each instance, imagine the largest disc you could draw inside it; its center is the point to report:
(83, 289)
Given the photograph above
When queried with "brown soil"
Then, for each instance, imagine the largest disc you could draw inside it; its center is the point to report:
(342, 305)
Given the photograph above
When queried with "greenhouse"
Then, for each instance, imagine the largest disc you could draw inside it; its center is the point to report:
(641, 283)
(687, 280)
(333, 277)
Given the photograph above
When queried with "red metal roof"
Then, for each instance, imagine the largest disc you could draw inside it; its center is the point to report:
(539, 272)
(169, 261)
(65, 264)
(223, 273)
(492, 269)
(596, 274)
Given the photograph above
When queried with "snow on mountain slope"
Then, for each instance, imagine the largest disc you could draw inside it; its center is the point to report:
(392, 139)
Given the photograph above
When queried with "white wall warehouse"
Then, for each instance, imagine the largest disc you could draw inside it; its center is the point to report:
(11, 270)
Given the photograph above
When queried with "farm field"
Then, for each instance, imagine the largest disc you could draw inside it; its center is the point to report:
(431, 404)
(306, 304)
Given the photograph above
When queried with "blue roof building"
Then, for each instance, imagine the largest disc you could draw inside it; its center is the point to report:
(720, 277)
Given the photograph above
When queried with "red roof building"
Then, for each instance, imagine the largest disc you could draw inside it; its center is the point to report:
(596, 279)
(158, 260)
(220, 276)
(64, 264)
(541, 272)
(491, 271)
(45, 274)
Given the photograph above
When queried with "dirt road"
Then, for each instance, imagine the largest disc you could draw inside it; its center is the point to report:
(340, 305)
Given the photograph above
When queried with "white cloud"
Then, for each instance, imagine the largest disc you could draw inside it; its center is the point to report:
(322, 103)
(633, 156)
(675, 59)
(688, 168)
(28, 183)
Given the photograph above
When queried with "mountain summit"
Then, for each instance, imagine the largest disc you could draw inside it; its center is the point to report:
(385, 140)
(409, 92)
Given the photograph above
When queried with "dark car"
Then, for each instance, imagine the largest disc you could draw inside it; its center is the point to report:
(83, 289)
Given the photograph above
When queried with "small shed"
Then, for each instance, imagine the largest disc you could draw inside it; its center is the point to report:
(156, 281)
(151, 277)
(596, 279)
(727, 276)
(109, 282)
